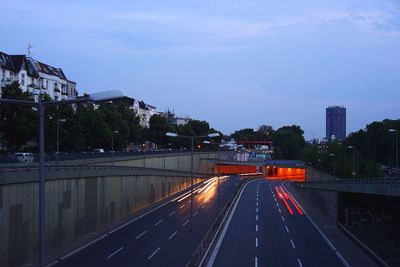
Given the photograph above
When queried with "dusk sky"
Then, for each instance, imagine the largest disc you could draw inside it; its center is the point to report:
(236, 64)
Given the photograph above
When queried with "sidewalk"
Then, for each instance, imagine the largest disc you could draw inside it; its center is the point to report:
(350, 251)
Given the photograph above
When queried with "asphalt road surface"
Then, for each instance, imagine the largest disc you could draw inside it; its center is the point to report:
(161, 237)
(269, 229)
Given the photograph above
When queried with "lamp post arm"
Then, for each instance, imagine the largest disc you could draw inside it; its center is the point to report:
(66, 102)
(19, 102)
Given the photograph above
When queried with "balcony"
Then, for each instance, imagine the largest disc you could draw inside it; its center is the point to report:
(5, 82)
(33, 88)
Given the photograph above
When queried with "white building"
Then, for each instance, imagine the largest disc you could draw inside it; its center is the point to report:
(144, 112)
(173, 119)
(35, 77)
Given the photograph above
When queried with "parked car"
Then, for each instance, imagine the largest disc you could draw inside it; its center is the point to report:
(98, 150)
(26, 157)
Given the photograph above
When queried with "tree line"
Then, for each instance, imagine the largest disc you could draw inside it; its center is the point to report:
(372, 147)
(85, 127)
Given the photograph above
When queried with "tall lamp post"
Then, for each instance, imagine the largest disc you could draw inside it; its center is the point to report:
(191, 138)
(41, 107)
(397, 148)
(112, 146)
(354, 161)
(219, 168)
(334, 163)
(58, 139)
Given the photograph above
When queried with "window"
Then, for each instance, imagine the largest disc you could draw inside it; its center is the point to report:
(47, 84)
(22, 79)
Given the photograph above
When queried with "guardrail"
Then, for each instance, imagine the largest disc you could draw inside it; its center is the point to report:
(17, 169)
(384, 180)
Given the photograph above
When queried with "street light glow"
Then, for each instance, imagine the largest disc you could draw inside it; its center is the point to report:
(169, 134)
(211, 135)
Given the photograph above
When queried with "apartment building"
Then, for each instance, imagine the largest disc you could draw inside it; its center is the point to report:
(35, 77)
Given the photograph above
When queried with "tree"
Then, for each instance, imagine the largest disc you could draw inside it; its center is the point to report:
(19, 124)
(290, 141)
(158, 126)
(246, 134)
(265, 132)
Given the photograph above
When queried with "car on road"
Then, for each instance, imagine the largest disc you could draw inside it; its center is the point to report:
(26, 157)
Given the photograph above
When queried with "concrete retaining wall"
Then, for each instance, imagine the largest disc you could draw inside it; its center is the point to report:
(326, 201)
(77, 206)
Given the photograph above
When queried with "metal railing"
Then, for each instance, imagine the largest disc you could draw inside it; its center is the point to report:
(384, 180)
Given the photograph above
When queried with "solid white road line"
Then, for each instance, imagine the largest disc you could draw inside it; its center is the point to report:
(291, 241)
(256, 227)
(226, 226)
(157, 223)
(171, 236)
(172, 213)
(338, 254)
(195, 213)
(185, 223)
(112, 254)
(283, 219)
(141, 234)
(299, 261)
(280, 211)
(255, 262)
(154, 253)
(287, 229)
(52, 264)
(181, 207)
(256, 242)
(83, 247)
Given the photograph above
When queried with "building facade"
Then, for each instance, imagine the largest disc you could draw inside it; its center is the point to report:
(173, 119)
(336, 122)
(144, 112)
(35, 77)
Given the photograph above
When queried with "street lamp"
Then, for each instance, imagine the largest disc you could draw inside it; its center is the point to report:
(354, 160)
(41, 107)
(58, 138)
(112, 146)
(334, 167)
(397, 148)
(191, 138)
(219, 168)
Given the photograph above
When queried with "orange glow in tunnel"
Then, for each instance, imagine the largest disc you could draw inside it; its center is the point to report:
(271, 172)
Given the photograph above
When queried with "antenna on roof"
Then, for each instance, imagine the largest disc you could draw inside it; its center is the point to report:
(29, 49)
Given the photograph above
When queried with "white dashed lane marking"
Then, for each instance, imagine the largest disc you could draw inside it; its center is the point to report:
(141, 234)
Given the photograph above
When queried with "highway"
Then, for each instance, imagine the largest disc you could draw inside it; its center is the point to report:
(160, 237)
(268, 228)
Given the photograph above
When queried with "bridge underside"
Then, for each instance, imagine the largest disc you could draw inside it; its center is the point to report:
(271, 172)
